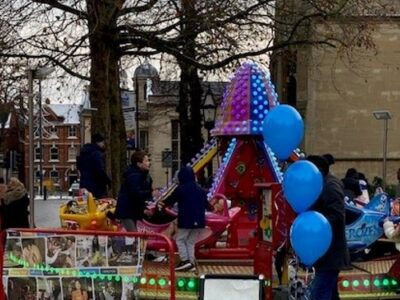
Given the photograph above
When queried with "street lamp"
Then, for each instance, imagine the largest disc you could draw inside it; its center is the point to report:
(385, 116)
(209, 111)
(39, 73)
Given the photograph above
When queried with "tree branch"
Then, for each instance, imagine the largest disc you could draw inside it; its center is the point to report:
(48, 57)
(137, 9)
(66, 8)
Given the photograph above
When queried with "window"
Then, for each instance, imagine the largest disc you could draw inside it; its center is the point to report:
(54, 153)
(72, 131)
(175, 145)
(37, 175)
(54, 176)
(53, 132)
(144, 139)
(72, 154)
(37, 154)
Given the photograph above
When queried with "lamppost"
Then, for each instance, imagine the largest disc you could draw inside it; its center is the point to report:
(209, 111)
(385, 116)
(137, 137)
(39, 73)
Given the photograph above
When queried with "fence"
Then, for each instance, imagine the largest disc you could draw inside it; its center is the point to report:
(38, 262)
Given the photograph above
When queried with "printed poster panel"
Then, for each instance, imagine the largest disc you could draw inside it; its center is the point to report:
(129, 109)
(72, 267)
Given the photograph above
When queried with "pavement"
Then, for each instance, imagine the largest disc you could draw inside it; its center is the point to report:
(46, 211)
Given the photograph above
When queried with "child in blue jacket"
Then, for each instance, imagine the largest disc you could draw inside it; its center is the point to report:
(192, 204)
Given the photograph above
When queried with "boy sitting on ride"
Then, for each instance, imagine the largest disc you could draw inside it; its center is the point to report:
(392, 231)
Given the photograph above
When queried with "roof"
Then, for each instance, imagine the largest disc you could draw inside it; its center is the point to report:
(70, 112)
(171, 88)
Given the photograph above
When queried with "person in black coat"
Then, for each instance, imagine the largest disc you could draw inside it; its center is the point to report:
(192, 205)
(331, 205)
(91, 165)
(15, 205)
(351, 184)
(136, 189)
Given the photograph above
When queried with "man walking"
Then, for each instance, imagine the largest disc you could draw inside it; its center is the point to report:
(92, 166)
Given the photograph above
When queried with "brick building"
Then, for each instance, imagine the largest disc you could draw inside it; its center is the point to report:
(55, 152)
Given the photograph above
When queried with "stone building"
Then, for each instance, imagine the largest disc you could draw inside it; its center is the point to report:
(158, 124)
(337, 97)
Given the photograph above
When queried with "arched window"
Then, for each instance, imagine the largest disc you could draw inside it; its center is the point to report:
(54, 153)
(72, 131)
(54, 176)
(37, 154)
(72, 152)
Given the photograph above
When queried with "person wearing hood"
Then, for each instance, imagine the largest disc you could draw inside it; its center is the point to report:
(15, 205)
(192, 205)
(351, 183)
(136, 189)
(92, 166)
(331, 205)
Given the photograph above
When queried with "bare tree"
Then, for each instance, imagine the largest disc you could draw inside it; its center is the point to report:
(210, 35)
(87, 38)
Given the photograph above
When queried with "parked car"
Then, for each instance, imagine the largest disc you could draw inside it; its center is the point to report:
(74, 189)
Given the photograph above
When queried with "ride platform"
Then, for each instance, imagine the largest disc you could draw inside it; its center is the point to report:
(187, 283)
(369, 280)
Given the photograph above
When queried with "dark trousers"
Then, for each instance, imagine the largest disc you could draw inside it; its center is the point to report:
(324, 285)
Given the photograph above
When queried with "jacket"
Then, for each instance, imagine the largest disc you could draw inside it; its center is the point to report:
(191, 199)
(135, 190)
(15, 209)
(331, 205)
(91, 164)
(391, 233)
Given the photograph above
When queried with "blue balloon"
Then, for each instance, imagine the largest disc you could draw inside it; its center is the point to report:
(302, 185)
(310, 236)
(283, 130)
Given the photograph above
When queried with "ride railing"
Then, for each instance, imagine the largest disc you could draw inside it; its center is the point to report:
(61, 263)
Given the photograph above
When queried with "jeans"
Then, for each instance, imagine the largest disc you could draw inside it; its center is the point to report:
(186, 240)
(324, 285)
(129, 224)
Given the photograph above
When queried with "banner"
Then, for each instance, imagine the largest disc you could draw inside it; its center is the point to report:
(43, 266)
(129, 109)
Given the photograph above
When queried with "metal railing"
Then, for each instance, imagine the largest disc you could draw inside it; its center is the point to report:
(144, 235)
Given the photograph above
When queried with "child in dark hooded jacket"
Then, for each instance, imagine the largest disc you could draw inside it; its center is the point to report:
(192, 204)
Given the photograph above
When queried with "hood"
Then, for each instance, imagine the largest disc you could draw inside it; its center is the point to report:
(186, 175)
(320, 162)
(88, 148)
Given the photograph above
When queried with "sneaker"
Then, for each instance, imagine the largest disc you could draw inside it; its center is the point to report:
(162, 258)
(183, 266)
(192, 269)
(149, 256)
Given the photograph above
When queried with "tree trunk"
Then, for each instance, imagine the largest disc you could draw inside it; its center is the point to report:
(104, 84)
(189, 112)
(189, 89)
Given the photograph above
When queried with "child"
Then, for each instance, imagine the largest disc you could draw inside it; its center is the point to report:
(392, 231)
(192, 204)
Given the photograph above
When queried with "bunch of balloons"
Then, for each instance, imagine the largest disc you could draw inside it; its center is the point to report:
(311, 233)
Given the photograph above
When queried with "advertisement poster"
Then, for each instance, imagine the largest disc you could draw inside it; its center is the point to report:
(129, 109)
(71, 267)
